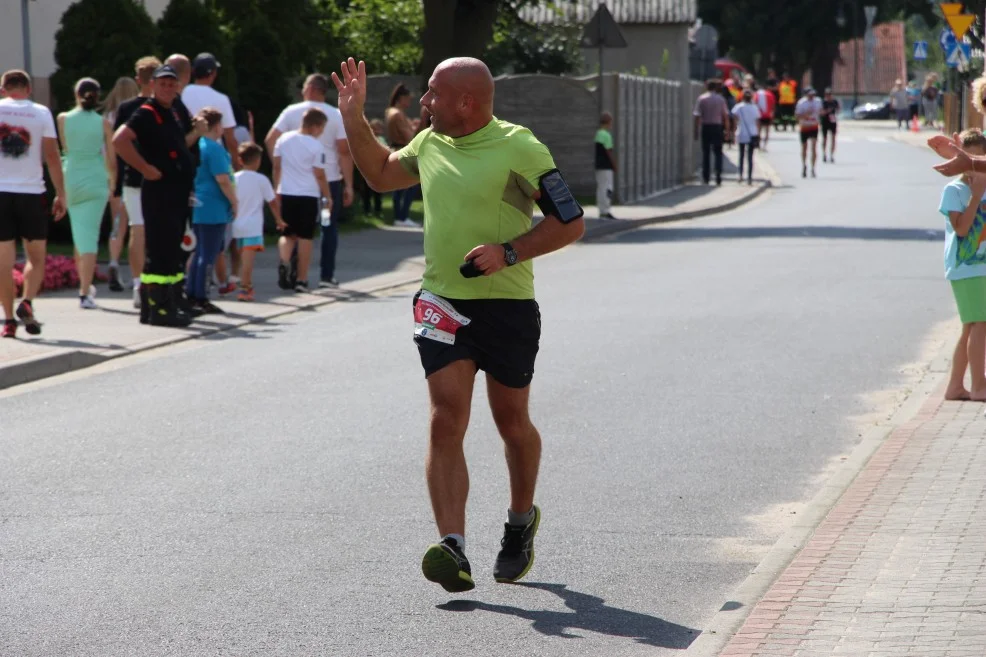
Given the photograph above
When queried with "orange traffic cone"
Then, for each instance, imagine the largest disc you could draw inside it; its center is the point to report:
(914, 125)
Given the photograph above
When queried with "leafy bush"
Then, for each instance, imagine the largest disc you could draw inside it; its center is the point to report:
(101, 39)
(190, 27)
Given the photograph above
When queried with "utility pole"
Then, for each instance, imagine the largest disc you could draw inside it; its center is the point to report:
(855, 53)
(26, 35)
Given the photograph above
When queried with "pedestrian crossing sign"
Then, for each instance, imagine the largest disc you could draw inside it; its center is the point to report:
(920, 50)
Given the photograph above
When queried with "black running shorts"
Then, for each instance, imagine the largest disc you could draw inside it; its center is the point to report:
(502, 339)
(23, 216)
(829, 127)
(808, 135)
(300, 213)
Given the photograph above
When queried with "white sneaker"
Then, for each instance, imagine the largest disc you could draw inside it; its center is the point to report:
(407, 223)
(137, 297)
(92, 291)
(235, 280)
(87, 303)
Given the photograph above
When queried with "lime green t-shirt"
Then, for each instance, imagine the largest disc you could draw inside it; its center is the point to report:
(477, 189)
(604, 138)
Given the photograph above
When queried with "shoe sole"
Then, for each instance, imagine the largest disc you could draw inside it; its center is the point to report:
(530, 564)
(31, 325)
(441, 567)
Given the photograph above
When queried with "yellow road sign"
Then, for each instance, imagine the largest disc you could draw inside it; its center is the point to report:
(960, 24)
(951, 8)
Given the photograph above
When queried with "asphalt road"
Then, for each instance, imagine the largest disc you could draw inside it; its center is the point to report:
(263, 493)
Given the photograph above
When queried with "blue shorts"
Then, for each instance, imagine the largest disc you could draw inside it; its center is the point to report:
(250, 243)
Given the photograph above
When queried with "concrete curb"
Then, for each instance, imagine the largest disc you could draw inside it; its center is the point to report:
(41, 367)
(734, 613)
(45, 366)
(623, 225)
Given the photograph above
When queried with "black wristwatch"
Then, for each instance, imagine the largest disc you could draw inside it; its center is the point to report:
(509, 255)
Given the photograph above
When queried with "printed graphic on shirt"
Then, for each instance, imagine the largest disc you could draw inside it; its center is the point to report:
(968, 250)
(15, 141)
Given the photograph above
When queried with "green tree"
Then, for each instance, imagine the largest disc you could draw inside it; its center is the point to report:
(386, 34)
(190, 27)
(261, 69)
(100, 39)
(518, 47)
(296, 23)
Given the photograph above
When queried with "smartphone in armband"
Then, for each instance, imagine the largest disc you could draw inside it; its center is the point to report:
(557, 199)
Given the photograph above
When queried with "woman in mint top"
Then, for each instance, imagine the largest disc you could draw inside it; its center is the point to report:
(90, 169)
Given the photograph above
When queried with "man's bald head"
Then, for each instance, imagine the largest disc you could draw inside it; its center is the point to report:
(182, 66)
(460, 96)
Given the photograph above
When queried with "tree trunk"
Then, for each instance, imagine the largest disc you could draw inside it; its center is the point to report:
(822, 66)
(455, 28)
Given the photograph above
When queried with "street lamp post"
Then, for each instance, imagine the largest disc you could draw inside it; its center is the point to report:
(26, 36)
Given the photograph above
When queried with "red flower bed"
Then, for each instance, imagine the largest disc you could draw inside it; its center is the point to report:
(60, 273)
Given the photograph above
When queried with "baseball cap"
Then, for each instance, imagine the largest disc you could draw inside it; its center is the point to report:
(164, 72)
(810, 90)
(204, 64)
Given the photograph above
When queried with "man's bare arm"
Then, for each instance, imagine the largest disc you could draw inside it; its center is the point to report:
(272, 136)
(379, 166)
(53, 158)
(231, 147)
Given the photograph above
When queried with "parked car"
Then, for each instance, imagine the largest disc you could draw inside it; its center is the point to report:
(879, 110)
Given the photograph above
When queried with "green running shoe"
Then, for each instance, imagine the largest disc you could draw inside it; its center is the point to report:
(516, 550)
(445, 564)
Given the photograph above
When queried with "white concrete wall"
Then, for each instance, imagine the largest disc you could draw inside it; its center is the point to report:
(45, 16)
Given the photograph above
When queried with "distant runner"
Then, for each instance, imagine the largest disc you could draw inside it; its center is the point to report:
(830, 124)
(808, 113)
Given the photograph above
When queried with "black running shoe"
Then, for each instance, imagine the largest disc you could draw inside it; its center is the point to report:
(26, 313)
(516, 550)
(445, 564)
(283, 281)
(206, 307)
(115, 284)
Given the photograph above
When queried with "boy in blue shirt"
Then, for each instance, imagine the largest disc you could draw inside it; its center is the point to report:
(965, 269)
(215, 207)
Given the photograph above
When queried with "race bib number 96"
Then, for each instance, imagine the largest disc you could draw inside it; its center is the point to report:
(436, 319)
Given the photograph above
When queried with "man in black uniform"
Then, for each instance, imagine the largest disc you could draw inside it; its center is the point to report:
(168, 168)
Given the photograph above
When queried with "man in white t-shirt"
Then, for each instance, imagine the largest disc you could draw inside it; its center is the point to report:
(300, 180)
(200, 94)
(808, 112)
(338, 161)
(27, 139)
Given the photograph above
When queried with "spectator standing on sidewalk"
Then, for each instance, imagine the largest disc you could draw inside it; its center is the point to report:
(965, 269)
(338, 163)
(90, 174)
(155, 142)
(605, 166)
(215, 210)
(300, 180)
(900, 104)
(252, 190)
(929, 100)
(913, 100)
(711, 118)
(27, 144)
(766, 102)
(400, 132)
(124, 90)
(200, 94)
(747, 120)
(787, 97)
(370, 194)
(128, 179)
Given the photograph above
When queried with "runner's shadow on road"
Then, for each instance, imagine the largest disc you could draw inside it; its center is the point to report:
(589, 613)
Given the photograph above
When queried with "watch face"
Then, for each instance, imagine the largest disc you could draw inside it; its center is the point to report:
(510, 256)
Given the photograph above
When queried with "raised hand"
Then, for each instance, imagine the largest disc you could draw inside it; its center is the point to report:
(352, 87)
(959, 164)
(943, 146)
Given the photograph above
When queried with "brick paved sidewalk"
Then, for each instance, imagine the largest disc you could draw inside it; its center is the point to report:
(898, 567)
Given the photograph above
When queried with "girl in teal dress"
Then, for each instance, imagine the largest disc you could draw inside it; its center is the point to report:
(90, 170)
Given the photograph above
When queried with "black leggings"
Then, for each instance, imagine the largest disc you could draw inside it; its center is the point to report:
(746, 151)
(165, 207)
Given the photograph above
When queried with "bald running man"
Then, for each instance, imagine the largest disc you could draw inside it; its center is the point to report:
(480, 179)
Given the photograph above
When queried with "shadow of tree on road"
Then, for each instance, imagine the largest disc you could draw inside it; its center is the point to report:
(589, 613)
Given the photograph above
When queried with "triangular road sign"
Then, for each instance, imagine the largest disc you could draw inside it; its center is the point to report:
(951, 8)
(603, 31)
(960, 24)
(920, 50)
